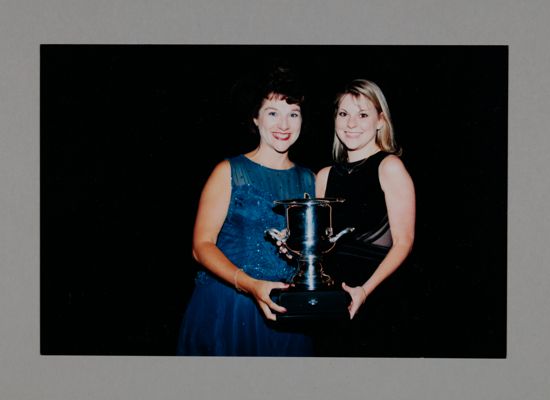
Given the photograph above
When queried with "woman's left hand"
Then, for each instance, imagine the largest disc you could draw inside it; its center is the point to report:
(358, 297)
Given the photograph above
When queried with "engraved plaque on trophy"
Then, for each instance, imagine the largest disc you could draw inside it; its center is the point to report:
(308, 236)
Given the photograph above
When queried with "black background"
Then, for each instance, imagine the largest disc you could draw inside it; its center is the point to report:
(130, 133)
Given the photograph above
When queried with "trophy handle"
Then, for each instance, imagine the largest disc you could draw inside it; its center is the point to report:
(277, 234)
(333, 239)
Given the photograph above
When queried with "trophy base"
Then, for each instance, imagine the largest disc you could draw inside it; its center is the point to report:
(303, 305)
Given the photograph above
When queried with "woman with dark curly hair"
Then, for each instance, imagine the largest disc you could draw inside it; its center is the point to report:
(230, 312)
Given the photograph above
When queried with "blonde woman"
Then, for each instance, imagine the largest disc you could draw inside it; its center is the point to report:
(379, 193)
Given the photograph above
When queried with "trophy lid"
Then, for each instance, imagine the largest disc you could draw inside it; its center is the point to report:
(308, 201)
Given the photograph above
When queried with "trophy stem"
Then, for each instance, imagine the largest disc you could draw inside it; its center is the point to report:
(310, 274)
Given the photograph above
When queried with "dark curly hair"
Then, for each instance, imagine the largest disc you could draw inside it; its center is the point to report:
(265, 80)
(280, 82)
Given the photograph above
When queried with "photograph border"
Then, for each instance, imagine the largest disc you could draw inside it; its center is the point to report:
(27, 375)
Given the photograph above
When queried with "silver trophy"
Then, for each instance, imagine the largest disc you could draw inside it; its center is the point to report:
(308, 236)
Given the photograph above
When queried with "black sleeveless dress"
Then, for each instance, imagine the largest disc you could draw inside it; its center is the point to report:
(357, 254)
(354, 259)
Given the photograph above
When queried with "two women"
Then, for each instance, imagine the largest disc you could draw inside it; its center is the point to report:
(230, 310)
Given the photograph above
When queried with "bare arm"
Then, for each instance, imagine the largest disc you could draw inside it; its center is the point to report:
(400, 201)
(212, 210)
(211, 214)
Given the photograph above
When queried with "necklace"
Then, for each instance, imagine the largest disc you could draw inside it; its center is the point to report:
(350, 169)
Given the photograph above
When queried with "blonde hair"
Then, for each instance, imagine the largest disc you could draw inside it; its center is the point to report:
(385, 136)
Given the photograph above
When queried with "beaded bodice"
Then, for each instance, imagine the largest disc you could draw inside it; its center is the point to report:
(242, 238)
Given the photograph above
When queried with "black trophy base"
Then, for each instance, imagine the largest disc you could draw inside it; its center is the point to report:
(304, 305)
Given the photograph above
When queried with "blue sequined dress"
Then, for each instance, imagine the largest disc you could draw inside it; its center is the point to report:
(219, 320)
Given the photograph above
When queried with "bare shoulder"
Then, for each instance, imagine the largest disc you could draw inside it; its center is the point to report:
(220, 177)
(392, 165)
(221, 170)
(323, 173)
(223, 166)
(393, 172)
(392, 161)
(321, 181)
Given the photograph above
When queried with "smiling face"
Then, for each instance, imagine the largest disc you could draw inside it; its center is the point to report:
(279, 123)
(357, 121)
